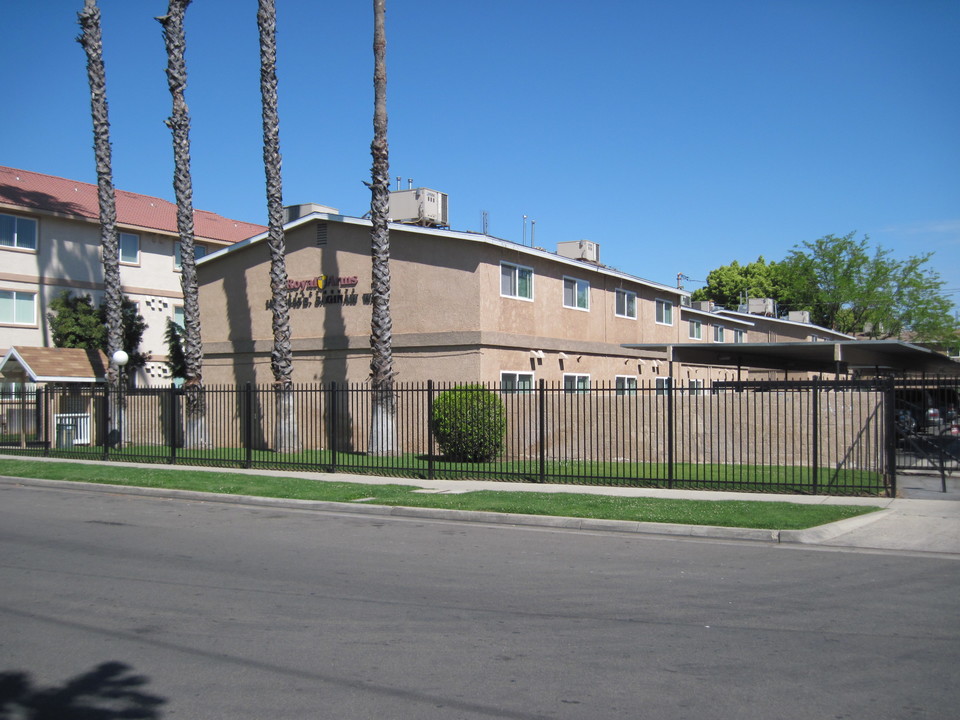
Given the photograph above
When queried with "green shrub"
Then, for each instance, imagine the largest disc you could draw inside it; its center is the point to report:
(469, 423)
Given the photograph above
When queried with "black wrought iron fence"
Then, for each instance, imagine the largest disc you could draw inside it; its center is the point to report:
(819, 437)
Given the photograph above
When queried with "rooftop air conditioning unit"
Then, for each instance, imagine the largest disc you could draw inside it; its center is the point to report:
(761, 306)
(419, 206)
(799, 316)
(580, 250)
(705, 305)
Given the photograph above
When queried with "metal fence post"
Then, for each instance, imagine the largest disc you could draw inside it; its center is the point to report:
(815, 436)
(542, 428)
(174, 426)
(334, 425)
(670, 432)
(104, 419)
(43, 424)
(890, 433)
(248, 426)
(430, 445)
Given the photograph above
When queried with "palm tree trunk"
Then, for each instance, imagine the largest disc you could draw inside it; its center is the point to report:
(179, 124)
(286, 437)
(91, 40)
(383, 433)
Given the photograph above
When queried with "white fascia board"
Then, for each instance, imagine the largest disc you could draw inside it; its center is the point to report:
(838, 335)
(715, 316)
(12, 353)
(458, 235)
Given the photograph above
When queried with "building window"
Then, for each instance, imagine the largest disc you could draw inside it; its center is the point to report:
(664, 312)
(576, 293)
(718, 333)
(516, 281)
(663, 385)
(516, 382)
(695, 386)
(696, 330)
(18, 232)
(739, 336)
(178, 316)
(18, 308)
(199, 251)
(129, 248)
(626, 304)
(626, 384)
(576, 383)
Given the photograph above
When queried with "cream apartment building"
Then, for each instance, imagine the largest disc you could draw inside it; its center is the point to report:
(465, 307)
(50, 243)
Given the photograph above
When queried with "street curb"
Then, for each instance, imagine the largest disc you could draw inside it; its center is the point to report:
(490, 518)
(831, 530)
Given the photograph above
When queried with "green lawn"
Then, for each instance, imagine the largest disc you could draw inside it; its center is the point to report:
(726, 513)
(729, 477)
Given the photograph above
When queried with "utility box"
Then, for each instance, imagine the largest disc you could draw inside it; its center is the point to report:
(585, 250)
(419, 206)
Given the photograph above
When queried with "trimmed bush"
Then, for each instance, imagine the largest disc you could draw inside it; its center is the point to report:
(469, 423)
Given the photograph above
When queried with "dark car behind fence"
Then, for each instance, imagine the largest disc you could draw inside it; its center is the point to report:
(789, 437)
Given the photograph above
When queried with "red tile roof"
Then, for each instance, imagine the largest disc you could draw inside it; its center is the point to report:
(34, 191)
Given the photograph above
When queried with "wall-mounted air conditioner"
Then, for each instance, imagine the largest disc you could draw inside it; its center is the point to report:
(580, 250)
(419, 206)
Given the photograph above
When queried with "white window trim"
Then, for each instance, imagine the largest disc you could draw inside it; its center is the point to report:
(666, 303)
(719, 334)
(120, 248)
(36, 234)
(564, 293)
(626, 390)
(576, 390)
(518, 390)
(664, 386)
(699, 325)
(739, 336)
(14, 323)
(516, 268)
(628, 293)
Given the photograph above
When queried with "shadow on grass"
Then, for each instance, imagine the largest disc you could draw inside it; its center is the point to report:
(111, 691)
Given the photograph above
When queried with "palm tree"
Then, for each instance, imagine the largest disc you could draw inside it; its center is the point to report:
(90, 39)
(179, 124)
(383, 427)
(281, 358)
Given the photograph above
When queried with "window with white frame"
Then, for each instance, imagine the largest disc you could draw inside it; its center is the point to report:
(178, 316)
(664, 312)
(739, 336)
(576, 293)
(516, 281)
(718, 333)
(695, 385)
(576, 383)
(516, 382)
(626, 304)
(696, 330)
(129, 248)
(18, 232)
(663, 385)
(626, 384)
(199, 251)
(18, 308)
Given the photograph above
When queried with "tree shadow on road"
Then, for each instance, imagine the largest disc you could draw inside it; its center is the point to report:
(111, 691)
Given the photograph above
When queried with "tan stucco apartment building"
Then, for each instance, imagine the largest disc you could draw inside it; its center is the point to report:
(50, 243)
(465, 307)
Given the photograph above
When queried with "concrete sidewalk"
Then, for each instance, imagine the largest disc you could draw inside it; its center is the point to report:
(923, 519)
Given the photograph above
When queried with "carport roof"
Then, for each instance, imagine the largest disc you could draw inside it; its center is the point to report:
(829, 356)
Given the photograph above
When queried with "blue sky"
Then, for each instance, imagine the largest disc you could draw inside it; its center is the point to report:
(678, 134)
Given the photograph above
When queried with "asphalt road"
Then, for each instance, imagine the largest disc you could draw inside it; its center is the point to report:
(186, 609)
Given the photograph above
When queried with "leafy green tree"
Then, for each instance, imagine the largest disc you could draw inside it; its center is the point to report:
(176, 359)
(76, 323)
(730, 285)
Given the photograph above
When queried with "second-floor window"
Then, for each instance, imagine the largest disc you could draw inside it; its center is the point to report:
(664, 312)
(739, 336)
(626, 304)
(696, 330)
(199, 251)
(516, 281)
(18, 308)
(576, 293)
(129, 248)
(718, 333)
(18, 232)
